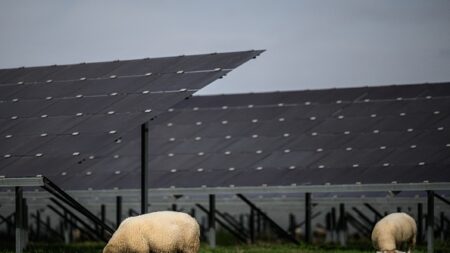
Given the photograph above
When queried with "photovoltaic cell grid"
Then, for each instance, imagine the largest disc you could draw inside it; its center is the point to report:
(59, 120)
(338, 136)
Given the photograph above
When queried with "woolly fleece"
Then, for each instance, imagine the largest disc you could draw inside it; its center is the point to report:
(394, 229)
(158, 232)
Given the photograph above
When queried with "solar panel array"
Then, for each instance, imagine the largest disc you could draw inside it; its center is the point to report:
(66, 121)
(367, 135)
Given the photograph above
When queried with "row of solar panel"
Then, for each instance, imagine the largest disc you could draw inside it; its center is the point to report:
(189, 139)
(101, 106)
(270, 112)
(275, 177)
(124, 68)
(18, 94)
(266, 155)
(311, 97)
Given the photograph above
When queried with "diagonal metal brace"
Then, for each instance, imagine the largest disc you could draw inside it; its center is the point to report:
(283, 233)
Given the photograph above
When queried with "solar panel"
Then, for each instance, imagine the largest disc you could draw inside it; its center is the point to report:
(67, 121)
(368, 135)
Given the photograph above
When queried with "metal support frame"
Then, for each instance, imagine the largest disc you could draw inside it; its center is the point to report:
(66, 227)
(258, 223)
(333, 225)
(9, 223)
(419, 223)
(235, 232)
(38, 224)
(308, 212)
(233, 223)
(292, 224)
(91, 233)
(378, 215)
(132, 212)
(212, 221)
(277, 228)
(144, 168)
(19, 220)
(251, 225)
(430, 222)
(21, 181)
(303, 188)
(366, 219)
(342, 225)
(446, 201)
(48, 222)
(118, 210)
(313, 216)
(25, 222)
(67, 199)
(95, 233)
(362, 229)
(328, 227)
(47, 226)
(103, 218)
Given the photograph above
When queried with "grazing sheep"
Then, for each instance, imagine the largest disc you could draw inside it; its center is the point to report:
(158, 232)
(392, 231)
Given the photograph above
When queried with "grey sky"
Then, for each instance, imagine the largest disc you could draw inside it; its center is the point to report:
(310, 44)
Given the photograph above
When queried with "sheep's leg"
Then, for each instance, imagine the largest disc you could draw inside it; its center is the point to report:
(411, 244)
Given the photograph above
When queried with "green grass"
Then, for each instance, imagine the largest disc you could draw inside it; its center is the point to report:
(272, 248)
(96, 247)
(260, 248)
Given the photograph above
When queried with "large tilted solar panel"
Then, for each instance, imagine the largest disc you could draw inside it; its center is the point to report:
(338, 136)
(58, 120)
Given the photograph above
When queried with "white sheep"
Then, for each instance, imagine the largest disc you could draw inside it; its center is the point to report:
(392, 231)
(157, 232)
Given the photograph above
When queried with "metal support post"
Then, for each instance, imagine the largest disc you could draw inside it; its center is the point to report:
(328, 227)
(212, 221)
(430, 221)
(66, 229)
(144, 168)
(48, 223)
(38, 224)
(103, 218)
(342, 225)
(292, 224)
(333, 224)
(419, 223)
(174, 207)
(251, 225)
(25, 229)
(118, 210)
(241, 220)
(308, 210)
(258, 224)
(19, 220)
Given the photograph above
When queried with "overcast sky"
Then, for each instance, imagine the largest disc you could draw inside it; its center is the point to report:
(310, 44)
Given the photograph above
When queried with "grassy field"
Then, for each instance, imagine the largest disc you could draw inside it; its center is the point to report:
(259, 248)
